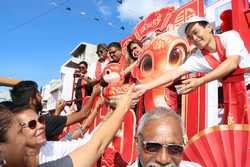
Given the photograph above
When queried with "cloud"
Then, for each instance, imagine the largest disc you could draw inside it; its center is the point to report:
(83, 13)
(53, 3)
(104, 9)
(110, 23)
(131, 10)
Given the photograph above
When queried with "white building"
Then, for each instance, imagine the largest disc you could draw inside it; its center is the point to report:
(63, 87)
(5, 96)
(51, 92)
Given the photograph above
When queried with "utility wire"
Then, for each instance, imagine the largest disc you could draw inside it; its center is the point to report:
(38, 16)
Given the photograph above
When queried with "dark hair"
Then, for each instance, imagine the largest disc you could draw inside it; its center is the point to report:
(7, 104)
(201, 23)
(83, 62)
(19, 109)
(5, 122)
(116, 45)
(23, 91)
(101, 46)
(134, 41)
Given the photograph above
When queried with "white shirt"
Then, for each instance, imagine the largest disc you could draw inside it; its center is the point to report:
(53, 150)
(182, 164)
(233, 45)
(92, 68)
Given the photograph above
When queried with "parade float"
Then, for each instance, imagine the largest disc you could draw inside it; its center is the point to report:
(222, 145)
(164, 50)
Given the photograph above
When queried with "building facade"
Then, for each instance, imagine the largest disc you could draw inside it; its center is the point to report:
(63, 88)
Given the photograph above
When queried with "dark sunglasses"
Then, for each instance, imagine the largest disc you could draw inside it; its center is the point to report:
(82, 67)
(33, 123)
(154, 147)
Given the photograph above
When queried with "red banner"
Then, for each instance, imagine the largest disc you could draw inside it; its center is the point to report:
(168, 19)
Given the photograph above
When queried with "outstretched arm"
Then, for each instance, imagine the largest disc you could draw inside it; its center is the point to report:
(91, 82)
(85, 110)
(225, 68)
(166, 78)
(129, 68)
(89, 153)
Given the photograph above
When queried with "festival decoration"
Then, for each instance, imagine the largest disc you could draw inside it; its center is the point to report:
(113, 74)
(164, 53)
(220, 146)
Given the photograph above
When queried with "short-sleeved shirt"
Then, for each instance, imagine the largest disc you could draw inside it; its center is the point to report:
(233, 45)
(78, 93)
(54, 126)
(53, 150)
(93, 66)
(63, 162)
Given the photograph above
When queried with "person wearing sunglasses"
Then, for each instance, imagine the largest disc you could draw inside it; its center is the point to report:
(95, 69)
(160, 138)
(13, 143)
(39, 151)
(84, 85)
(26, 93)
(102, 51)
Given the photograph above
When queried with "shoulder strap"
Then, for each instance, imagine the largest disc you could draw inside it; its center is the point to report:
(220, 50)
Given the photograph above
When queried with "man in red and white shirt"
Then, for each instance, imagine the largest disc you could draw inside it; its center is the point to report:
(221, 57)
(96, 68)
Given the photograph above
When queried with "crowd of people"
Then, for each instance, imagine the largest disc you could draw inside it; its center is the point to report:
(30, 138)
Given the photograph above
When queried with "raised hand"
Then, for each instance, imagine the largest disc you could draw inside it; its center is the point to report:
(60, 104)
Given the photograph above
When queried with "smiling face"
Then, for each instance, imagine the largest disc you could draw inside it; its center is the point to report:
(136, 50)
(102, 53)
(115, 54)
(35, 135)
(162, 131)
(199, 35)
(82, 68)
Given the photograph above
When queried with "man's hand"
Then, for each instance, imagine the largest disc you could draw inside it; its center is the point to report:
(60, 104)
(139, 90)
(124, 100)
(190, 84)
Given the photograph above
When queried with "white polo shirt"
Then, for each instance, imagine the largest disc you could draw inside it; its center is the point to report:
(233, 45)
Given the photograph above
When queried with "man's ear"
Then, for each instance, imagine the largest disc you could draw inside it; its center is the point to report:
(209, 28)
(32, 101)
